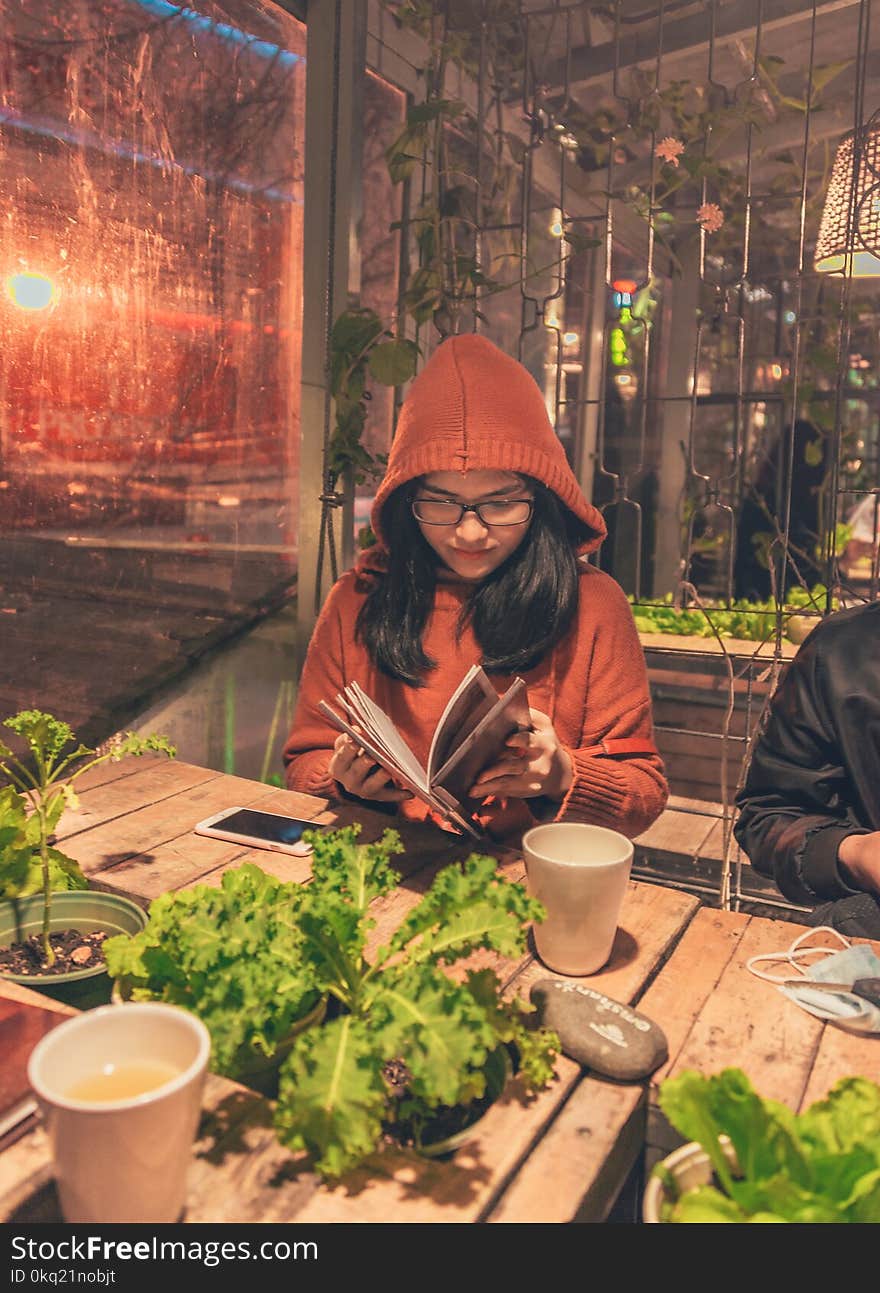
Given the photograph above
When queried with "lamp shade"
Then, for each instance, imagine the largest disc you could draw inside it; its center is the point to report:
(849, 234)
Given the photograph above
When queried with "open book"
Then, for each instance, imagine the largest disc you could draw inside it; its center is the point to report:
(468, 738)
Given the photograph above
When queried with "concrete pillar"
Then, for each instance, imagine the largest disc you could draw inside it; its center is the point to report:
(594, 375)
(680, 379)
(335, 54)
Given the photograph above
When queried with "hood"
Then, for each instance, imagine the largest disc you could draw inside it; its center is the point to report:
(474, 408)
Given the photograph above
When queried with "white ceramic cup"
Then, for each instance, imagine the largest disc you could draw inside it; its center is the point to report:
(579, 872)
(122, 1160)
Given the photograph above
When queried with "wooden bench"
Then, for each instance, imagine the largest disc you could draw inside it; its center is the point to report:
(690, 680)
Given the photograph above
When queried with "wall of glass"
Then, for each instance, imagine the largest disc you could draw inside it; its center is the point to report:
(233, 711)
(151, 167)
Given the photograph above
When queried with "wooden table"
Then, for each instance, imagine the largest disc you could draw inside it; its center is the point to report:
(559, 1156)
(716, 1014)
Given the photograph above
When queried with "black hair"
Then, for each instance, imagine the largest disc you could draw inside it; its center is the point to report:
(518, 612)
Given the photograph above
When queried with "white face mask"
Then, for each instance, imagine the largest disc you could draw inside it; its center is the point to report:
(818, 964)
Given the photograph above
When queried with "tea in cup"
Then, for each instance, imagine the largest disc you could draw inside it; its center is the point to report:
(120, 1091)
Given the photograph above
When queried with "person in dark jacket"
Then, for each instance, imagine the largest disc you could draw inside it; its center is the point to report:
(810, 807)
(760, 517)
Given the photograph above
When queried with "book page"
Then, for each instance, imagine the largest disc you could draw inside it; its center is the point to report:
(375, 751)
(444, 805)
(484, 744)
(472, 699)
(361, 718)
(385, 733)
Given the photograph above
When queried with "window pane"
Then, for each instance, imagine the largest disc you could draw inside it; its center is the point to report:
(150, 325)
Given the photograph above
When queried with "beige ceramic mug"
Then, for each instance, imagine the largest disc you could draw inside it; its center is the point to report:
(120, 1091)
(579, 872)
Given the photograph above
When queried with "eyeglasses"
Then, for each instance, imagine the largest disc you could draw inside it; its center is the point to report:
(508, 511)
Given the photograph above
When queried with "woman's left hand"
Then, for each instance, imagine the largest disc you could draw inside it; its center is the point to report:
(537, 764)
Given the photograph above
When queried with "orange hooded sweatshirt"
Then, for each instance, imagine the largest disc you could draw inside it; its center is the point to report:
(472, 407)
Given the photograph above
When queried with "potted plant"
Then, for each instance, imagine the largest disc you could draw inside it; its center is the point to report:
(51, 924)
(234, 956)
(753, 1159)
(413, 1053)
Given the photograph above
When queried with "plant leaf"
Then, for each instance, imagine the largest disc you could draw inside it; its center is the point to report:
(332, 1095)
(467, 907)
(438, 1028)
(706, 1204)
(45, 735)
(234, 955)
(64, 871)
(359, 872)
(16, 850)
(394, 362)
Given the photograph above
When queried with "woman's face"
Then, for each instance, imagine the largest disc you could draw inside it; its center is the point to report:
(473, 547)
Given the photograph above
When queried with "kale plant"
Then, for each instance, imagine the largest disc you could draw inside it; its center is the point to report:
(822, 1165)
(28, 862)
(232, 955)
(408, 1039)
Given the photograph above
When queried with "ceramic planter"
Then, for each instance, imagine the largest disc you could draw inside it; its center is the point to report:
(81, 909)
(686, 1168)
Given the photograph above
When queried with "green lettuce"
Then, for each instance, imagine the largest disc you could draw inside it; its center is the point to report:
(401, 1012)
(822, 1165)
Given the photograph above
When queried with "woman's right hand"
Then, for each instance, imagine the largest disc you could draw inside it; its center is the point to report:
(360, 775)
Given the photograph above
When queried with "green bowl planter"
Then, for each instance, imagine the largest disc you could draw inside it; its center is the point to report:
(260, 1072)
(686, 1168)
(81, 909)
(498, 1072)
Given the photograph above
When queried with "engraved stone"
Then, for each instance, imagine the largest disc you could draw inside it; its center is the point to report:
(602, 1034)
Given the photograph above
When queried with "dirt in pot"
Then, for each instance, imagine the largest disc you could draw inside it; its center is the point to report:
(444, 1121)
(415, 1126)
(74, 950)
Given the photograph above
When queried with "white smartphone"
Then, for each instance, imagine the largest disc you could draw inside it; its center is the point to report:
(259, 830)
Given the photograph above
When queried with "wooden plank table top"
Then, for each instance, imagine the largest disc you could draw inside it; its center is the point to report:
(559, 1156)
(717, 1014)
(134, 835)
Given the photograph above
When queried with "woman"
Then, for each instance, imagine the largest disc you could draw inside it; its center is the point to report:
(482, 532)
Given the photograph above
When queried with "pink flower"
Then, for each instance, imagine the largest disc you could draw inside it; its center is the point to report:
(669, 150)
(710, 217)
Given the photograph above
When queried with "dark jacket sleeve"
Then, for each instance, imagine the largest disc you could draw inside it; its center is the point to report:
(794, 808)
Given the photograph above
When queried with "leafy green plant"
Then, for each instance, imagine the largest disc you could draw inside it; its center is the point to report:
(751, 621)
(409, 1040)
(233, 955)
(820, 1165)
(361, 347)
(21, 862)
(28, 861)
